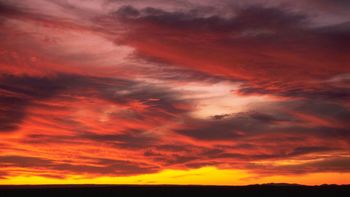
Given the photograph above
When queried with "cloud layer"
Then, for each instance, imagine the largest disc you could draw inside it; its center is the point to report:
(120, 88)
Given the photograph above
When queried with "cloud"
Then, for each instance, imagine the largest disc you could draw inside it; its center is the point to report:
(133, 139)
(20, 92)
(339, 164)
(331, 6)
(23, 161)
(250, 18)
(100, 166)
(7, 9)
(233, 127)
(108, 167)
(11, 113)
(249, 46)
(280, 134)
(133, 87)
(315, 118)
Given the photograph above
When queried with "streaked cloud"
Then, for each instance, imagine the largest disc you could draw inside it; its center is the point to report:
(126, 88)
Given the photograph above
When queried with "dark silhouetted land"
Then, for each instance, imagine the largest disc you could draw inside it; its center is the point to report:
(175, 190)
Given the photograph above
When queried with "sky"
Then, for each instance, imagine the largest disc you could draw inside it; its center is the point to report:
(226, 92)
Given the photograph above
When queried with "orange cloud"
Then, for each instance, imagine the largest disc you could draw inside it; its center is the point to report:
(154, 93)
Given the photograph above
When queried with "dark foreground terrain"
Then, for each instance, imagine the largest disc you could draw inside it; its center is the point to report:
(170, 190)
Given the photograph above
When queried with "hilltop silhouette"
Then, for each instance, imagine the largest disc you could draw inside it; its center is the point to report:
(270, 189)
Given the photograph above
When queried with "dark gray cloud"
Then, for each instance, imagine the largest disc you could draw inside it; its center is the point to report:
(97, 166)
(320, 92)
(11, 113)
(235, 126)
(251, 18)
(132, 139)
(19, 92)
(6, 9)
(108, 167)
(309, 149)
(273, 134)
(259, 36)
(336, 6)
(324, 109)
(129, 139)
(157, 97)
(23, 161)
(339, 164)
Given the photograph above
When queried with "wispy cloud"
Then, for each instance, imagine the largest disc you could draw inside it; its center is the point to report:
(121, 88)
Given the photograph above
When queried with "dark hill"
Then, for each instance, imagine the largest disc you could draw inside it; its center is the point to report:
(273, 189)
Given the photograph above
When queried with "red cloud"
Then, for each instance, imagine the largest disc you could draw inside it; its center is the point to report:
(95, 108)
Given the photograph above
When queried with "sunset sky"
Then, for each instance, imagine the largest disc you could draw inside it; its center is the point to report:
(229, 92)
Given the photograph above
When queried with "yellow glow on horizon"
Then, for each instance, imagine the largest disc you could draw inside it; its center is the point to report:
(201, 176)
